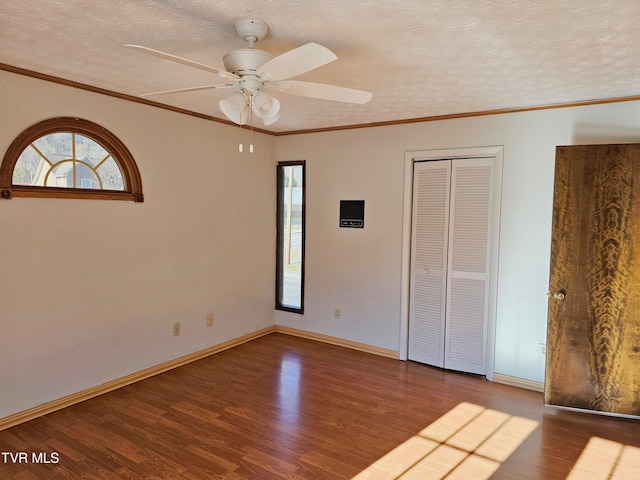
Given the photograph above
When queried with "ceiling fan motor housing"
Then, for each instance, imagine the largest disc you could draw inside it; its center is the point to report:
(245, 61)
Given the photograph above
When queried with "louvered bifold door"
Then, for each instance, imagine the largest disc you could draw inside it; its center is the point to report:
(468, 265)
(429, 261)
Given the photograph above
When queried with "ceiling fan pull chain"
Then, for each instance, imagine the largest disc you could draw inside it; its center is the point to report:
(251, 122)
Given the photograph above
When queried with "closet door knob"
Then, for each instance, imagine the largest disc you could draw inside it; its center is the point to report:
(558, 295)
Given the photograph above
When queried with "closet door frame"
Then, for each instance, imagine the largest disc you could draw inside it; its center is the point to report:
(450, 154)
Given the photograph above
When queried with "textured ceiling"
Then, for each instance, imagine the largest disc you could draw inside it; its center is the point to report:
(420, 58)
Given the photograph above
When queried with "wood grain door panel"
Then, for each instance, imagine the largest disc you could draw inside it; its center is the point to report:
(593, 344)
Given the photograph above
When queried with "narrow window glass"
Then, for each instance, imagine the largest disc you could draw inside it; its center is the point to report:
(290, 253)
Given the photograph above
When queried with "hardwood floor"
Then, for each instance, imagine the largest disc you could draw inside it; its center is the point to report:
(285, 407)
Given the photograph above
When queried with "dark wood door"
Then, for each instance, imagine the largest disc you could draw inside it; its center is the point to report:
(593, 339)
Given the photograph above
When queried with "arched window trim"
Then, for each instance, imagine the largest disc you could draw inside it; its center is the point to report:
(111, 143)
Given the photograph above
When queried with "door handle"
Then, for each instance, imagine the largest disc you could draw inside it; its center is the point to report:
(558, 294)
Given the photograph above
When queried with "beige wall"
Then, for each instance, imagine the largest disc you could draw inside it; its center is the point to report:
(360, 270)
(89, 289)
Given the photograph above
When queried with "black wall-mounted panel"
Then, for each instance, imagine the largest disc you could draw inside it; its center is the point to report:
(352, 213)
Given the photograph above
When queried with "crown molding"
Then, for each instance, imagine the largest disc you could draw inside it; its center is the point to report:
(434, 118)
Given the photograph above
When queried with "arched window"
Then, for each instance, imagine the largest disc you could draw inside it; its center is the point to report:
(69, 158)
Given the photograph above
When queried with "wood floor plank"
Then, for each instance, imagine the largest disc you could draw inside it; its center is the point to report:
(284, 407)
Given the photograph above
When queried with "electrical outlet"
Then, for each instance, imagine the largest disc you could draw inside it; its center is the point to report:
(209, 319)
(176, 329)
(337, 313)
(543, 349)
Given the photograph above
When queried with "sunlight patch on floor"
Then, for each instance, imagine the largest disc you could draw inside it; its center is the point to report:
(469, 441)
(604, 459)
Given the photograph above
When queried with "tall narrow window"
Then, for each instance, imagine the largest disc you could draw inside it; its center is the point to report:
(290, 253)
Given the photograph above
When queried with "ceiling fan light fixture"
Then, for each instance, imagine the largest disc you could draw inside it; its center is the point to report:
(264, 105)
(270, 119)
(235, 108)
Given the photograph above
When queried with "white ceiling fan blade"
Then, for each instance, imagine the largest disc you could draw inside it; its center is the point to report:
(191, 89)
(184, 61)
(323, 91)
(296, 62)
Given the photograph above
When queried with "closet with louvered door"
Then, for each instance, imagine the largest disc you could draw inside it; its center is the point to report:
(450, 263)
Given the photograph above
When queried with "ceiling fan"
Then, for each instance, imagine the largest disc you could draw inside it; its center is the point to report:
(252, 74)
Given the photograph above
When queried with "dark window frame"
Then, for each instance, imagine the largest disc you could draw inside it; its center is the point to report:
(279, 237)
(130, 173)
